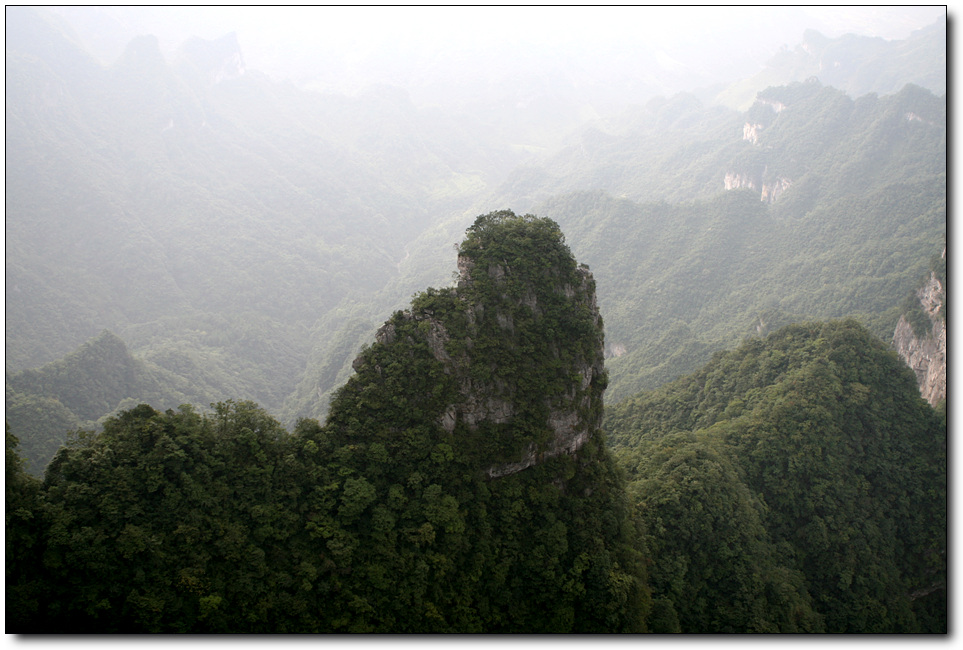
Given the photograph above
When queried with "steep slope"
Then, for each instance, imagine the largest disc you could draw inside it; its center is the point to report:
(529, 324)
(795, 483)
(831, 209)
(460, 484)
(825, 208)
(490, 394)
(679, 148)
(89, 381)
(920, 336)
(227, 226)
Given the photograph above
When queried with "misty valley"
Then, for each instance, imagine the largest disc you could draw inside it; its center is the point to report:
(531, 348)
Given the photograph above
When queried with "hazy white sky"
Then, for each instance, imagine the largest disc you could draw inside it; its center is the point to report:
(343, 49)
(353, 26)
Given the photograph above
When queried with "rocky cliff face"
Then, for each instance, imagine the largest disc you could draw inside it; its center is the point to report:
(750, 132)
(738, 180)
(772, 190)
(516, 349)
(926, 354)
(572, 416)
(466, 450)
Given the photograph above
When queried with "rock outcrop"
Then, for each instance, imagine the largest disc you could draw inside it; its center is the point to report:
(769, 190)
(739, 180)
(517, 348)
(750, 132)
(926, 353)
(772, 190)
(775, 105)
(467, 449)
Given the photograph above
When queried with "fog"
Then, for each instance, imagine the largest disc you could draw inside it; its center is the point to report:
(439, 53)
(244, 212)
(488, 319)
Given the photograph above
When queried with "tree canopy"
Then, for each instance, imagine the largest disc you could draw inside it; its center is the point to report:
(810, 461)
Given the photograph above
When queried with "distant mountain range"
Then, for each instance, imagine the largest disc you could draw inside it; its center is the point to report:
(290, 361)
(243, 238)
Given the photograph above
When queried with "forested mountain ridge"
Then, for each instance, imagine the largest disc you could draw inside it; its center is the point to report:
(503, 375)
(98, 379)
(460, 484)
(90, 381)
(244, 236)
(796, 484)
(679, 149)
(520, 337)
(861, 208)
(844, 196)
(184, 230)
(810, 467)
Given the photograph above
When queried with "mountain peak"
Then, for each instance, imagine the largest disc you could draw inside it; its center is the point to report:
(516, 350)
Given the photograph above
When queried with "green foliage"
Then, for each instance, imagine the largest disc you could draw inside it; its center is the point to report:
(849, 237)
(174, 522)
(446, 548)
(323, 210)
(912, 309)
(385, 519)
(810, 461)
(794, 484)
(715, 568)
(23, 540)
(44, 424)
(96, 379)
(90, 381)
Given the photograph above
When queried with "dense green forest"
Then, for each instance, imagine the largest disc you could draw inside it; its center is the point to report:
(836, 208)
(462, 483)
(800, 480)
(232, 404)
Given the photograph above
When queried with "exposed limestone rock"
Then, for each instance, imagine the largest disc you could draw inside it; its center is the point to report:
(523, 377)
(926, 355)
(775, 105)
(750, 132)
(738, 180)
(496, 272)
(385, 334)
(505, 321)
(771, 191)
(449, 419)
(570, 430)
(465, 266)
(569, 434)
(913, 117)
